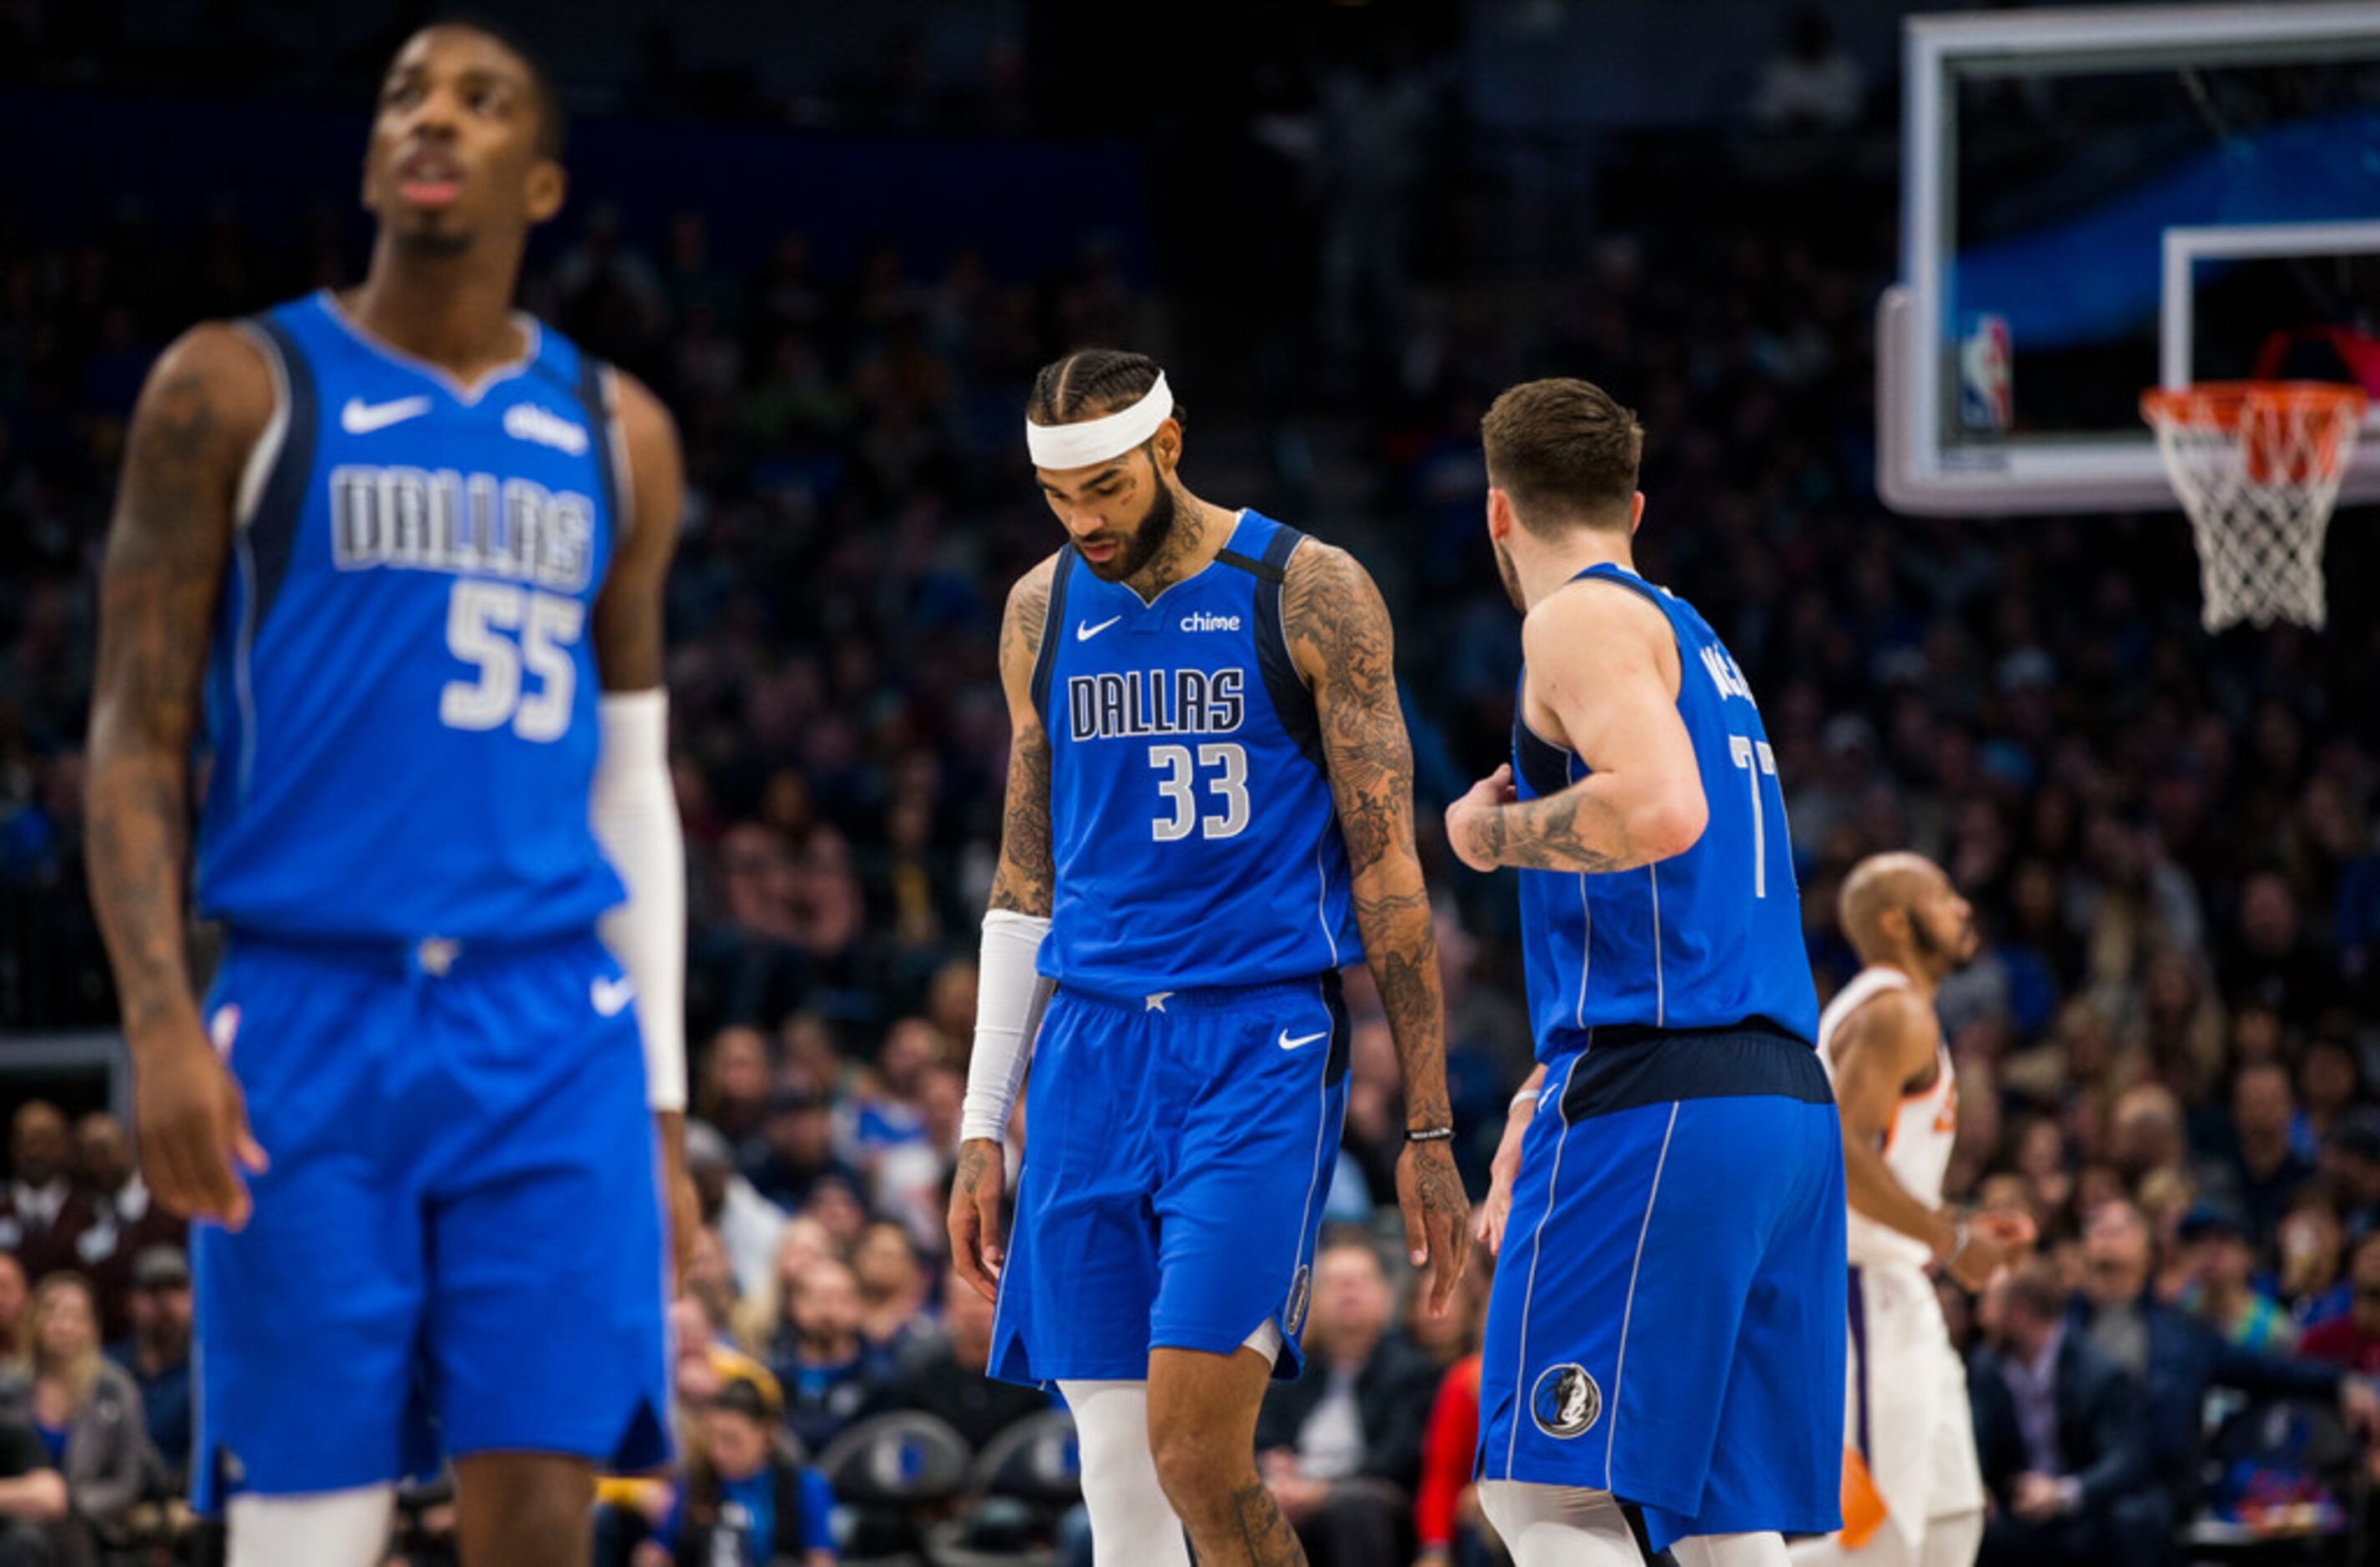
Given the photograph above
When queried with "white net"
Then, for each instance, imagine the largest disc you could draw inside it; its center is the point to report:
(2257, 466)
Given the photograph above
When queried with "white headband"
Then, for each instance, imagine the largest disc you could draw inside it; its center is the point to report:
(1096, 440)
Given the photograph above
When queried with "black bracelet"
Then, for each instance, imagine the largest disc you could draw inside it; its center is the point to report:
(1430, 1134)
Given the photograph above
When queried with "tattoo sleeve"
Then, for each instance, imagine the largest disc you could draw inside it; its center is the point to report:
(1340, 635)
(158, 583)
(1572, 830)
(1027, 879)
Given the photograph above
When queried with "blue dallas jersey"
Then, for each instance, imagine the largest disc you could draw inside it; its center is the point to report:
(1705, 940)
(401, 692)
(1194, 834)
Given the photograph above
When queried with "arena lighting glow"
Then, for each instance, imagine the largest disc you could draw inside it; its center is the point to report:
(1096, 440)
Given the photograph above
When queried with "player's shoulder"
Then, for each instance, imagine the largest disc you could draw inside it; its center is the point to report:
(213, 380)
(646, 428)
(1590, 618)
(1897, 1011)
(1028, 607)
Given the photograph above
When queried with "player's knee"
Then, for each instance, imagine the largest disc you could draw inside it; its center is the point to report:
(1197, 1477)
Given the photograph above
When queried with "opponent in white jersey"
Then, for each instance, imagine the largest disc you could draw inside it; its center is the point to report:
(1912, 1491)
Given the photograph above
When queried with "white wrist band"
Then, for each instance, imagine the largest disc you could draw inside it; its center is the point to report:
(634, 812)
(1010, 995)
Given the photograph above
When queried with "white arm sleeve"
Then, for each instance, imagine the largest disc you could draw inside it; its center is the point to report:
(635, 815)
(1008, 997)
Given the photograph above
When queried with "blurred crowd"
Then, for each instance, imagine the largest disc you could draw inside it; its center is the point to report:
(2166, 1046)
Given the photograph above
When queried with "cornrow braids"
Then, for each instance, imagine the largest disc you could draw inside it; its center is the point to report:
(1092, 384)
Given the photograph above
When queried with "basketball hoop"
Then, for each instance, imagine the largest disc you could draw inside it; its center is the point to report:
(2257, 465)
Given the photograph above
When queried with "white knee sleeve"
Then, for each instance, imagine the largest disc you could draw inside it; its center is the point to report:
(1732, 1551)
(1953, 1542)
(329, 1529)
(1559, 1526)
(1131, 1523)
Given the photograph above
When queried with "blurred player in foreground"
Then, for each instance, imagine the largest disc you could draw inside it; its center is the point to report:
(380, 549)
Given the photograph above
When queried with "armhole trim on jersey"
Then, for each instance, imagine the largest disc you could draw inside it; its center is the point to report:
(597, 392)
(1545, 766)
(272, 485)
(1045, 657)
(1292, 699)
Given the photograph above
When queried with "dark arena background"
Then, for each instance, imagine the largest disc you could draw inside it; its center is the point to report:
(837, 241)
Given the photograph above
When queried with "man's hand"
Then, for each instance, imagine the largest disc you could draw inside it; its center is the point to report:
(2036, 1499)
(1298, 1497)
(1503, 1173)
(1468, 819)
(1437, 1234)
(193, 1127)
(1994, 1241)
(974, 1214)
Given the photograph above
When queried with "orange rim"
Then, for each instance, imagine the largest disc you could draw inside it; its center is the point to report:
(2225, 402)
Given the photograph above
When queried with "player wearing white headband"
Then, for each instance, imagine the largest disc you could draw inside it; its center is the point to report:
(1210, 814)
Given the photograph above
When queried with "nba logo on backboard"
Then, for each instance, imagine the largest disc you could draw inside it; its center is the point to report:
(1985, 404)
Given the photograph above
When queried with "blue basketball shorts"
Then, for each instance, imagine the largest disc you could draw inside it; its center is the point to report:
(458, 1247)
(1178, 1148)
(1666, 1322)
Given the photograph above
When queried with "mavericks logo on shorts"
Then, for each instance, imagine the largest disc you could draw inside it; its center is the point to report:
(1299, 1288)
(1565, 1402)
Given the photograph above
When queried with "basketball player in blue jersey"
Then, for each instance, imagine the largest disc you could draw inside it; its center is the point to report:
(1210, 814)
(397, 556)
(1666, 1329)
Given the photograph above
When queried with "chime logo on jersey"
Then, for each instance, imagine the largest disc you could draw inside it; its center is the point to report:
(1565, 1401)
(1154, 701)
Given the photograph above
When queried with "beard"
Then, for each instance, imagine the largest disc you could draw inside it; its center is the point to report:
(1941, 956)
(1511, 575)
(1148, 536)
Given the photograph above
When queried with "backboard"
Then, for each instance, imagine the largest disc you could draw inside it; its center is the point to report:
(2098, 201)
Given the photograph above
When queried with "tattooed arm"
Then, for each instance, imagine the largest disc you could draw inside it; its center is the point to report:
(1027, 879)
(1024, 890)
(1340, 636)
(203, 407)
(1603, 681)
(634, 809)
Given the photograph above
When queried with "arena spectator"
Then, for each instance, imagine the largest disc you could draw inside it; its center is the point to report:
(35, 1528)
(2265, 1166)
(43, 1217)
(1340, 1447)
(746, 1499)
(157, 1355)
(2312, 1276)
(748, 1224)
(2174, 1359)
(2057, 1432)
(829, 1371)
(2222, 1291)
(15, 1292)
(942, 1373)
(893, 1287)
(85, 1410)
(797, 1148)
(2352, 1338)
(733, 1094)
(1447, 1520)
(125, 1223)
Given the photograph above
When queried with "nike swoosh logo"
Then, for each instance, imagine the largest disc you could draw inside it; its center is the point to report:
(360, 417)
(1084, 632)
(1289, 1044)
(612, 996)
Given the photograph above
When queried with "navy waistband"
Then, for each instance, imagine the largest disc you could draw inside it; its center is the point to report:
(1628, 1068)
